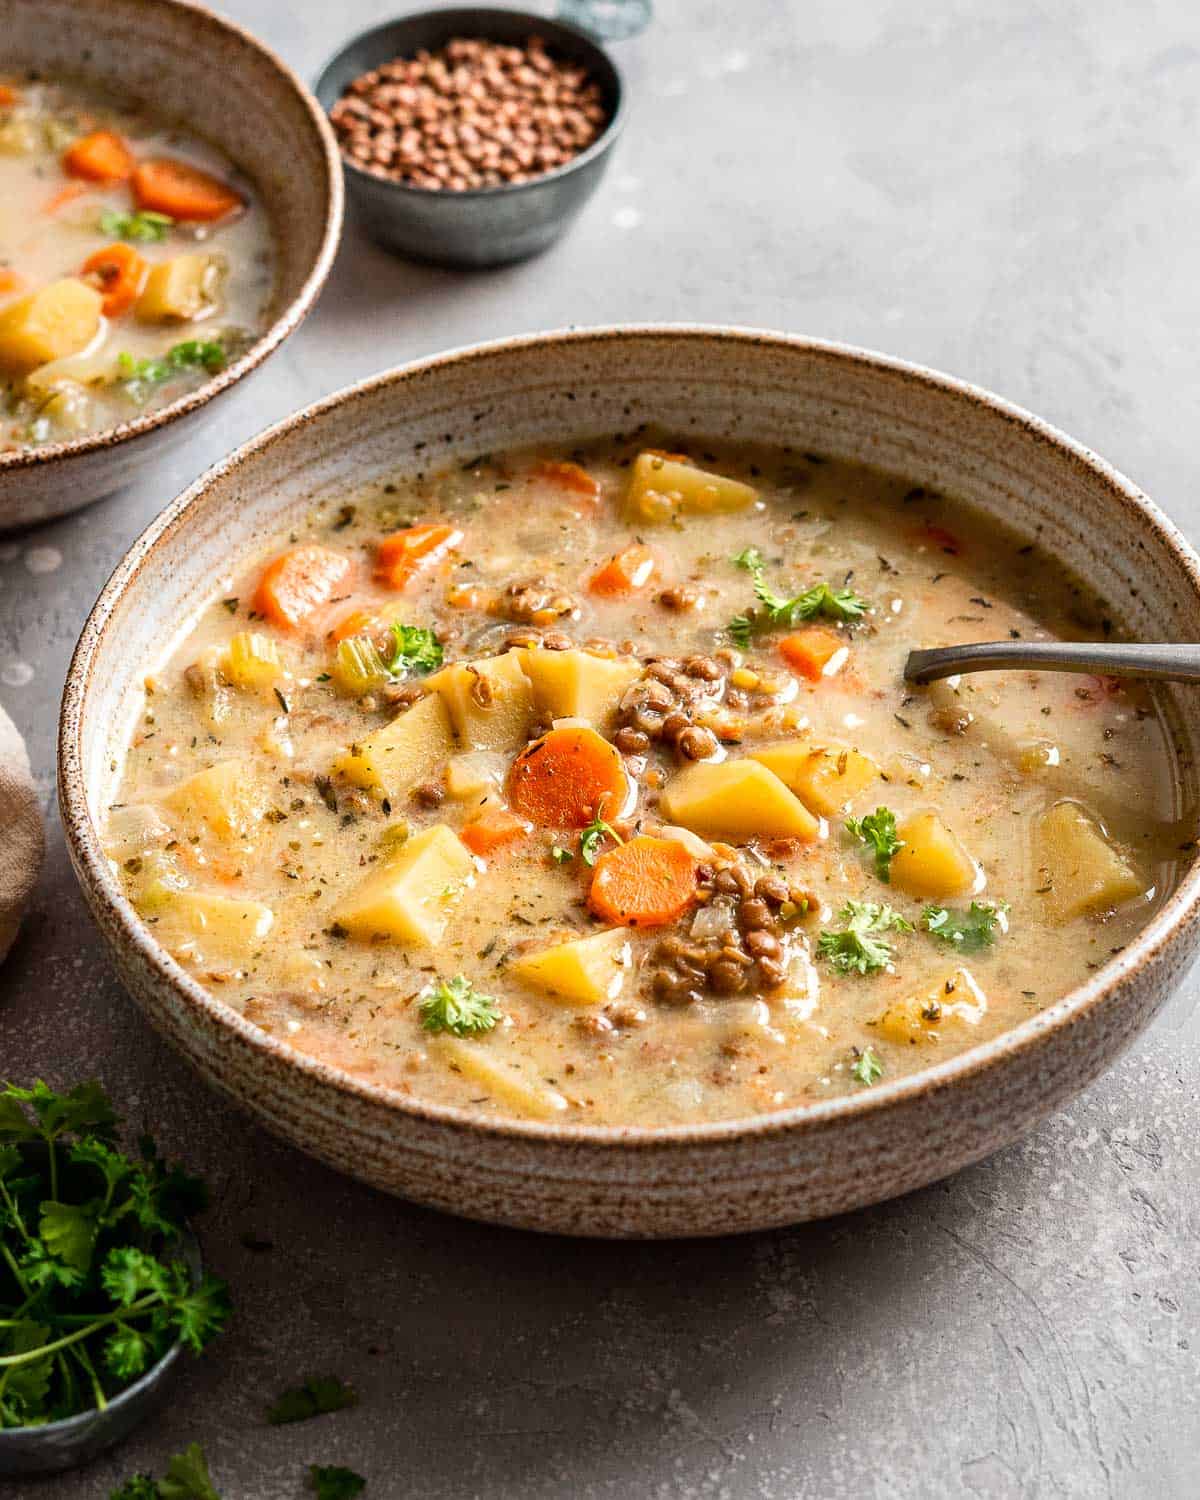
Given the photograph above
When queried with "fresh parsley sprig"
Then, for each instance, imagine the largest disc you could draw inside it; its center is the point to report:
(331, 1482)
(91, 1291)
(140, 376)
(455, 1005)
(775, 611)
(969, 930)
(143, 225)
(593, 836)
(319, 1394)
(878, 831)
(187, 1478)
(414, 649)
(866, 1067)
(856, 949)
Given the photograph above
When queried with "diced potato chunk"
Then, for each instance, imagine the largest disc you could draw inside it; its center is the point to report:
(252, 660)
(578, 685)
(413, 747)
(181, 289)
(736, 800)
(60, 319)
(227, 797)
(932, 862)
(508, 1079)
(490, 701)
(586, 971)
(200, 925)
(661, 488)
(472, 776)
(920, 1018)
(825, 778)
(411, 897)
(1082, 870)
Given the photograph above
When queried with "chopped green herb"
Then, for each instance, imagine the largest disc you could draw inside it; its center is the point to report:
(843, 604)
(187, 1478)
(561, 856)
(318, 1395)
(969, 930)
(415, 649)
(140, 376)
(591, 838)
(749, 558)
(855, 949)
(333, 1483)
(866, 1068)
(456, 1005)
(878, 830)
(91, 1294)
(144, 225)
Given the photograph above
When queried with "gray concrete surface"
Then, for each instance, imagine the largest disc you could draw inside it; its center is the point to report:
(1008, 191)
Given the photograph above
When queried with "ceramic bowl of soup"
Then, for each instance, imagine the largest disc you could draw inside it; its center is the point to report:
(170, 203)
(501, 779)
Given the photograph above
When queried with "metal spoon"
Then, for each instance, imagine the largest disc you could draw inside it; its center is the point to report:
(1164, 663)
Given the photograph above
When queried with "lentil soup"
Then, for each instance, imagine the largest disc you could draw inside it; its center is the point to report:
(586, 785)
(134, 262)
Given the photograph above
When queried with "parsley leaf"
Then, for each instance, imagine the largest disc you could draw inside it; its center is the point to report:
(333, 1483)
(318, 1395)
(878, 829)
(855, 949)
(842, 605)
(866, 1068)
(969, 930)
(68, 1231)
(415, 649)
(187, 1477)
(561, 856)
(591, 838)
(138, 1487)
(143, 225)
(456, 1005)
(749, 558)
(140, 376)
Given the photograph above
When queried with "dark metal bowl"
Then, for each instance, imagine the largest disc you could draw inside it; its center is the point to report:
(77, 1440)
(479, 226)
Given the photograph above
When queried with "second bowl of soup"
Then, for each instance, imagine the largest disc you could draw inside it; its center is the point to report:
(546, 782)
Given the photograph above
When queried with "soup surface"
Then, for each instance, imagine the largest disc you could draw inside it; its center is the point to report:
(134, 262)
(586, 786)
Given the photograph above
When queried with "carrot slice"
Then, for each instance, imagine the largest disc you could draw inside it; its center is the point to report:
(10, 281)
(644, 883)
(357, 622)
(567, 778)
(64, 196)
(118, 273)
(170, 186)
(814, 653)
(7, 96)
(101, 156)
(404, 554)
(493, 830)
(629, 569)
(298, 582)
(567, 476)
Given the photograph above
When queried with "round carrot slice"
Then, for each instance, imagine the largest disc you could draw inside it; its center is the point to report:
(102, 156)
(567, 778)
(117, 272)
(297, 583)
(647, 882)
(170, 186)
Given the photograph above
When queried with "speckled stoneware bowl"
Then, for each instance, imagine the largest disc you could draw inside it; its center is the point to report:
(704, 1179)
(195, 67)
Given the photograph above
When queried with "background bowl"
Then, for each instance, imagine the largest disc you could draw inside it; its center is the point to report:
(215, 79)
(482, 226)
(800, 1163)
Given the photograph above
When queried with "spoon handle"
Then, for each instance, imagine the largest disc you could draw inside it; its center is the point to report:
(1167, 662)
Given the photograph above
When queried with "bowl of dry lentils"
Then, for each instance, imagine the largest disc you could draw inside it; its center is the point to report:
(471, 137)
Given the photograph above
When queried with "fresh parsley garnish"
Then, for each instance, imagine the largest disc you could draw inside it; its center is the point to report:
(333, 1483)
(143, 225)
(561, 856)
(856, 949)
(187, 1478)
(878, 831)
(318, 1395)
(455, 1005)
(91, 1290)
(866, 1067)
(969, 930)
(413, 649)
(591, 838)
(140, 376)
(776, 611)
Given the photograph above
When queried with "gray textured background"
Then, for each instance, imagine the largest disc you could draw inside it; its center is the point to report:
(1008, 191)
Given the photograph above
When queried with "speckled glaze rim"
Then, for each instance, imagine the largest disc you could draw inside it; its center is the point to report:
(603, 141)
(1166, 926)
(288, 320)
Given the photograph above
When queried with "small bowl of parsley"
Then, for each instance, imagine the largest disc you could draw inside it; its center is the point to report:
(101, 1288)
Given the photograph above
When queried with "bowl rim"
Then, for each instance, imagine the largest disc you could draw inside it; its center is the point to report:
(275, 333)
(1164, 928)
(603, 142)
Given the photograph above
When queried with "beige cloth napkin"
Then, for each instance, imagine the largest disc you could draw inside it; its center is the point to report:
(22, 838)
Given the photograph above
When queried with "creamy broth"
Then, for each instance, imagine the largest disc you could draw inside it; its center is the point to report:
(137, 305)
(903, 875)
